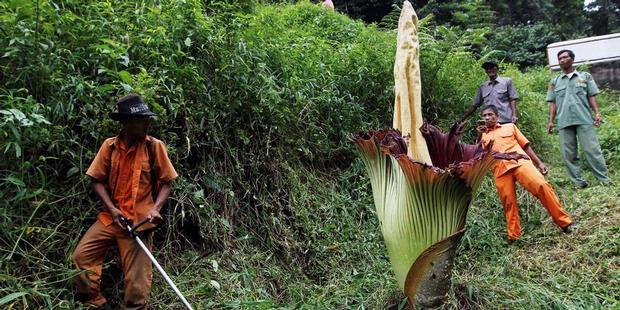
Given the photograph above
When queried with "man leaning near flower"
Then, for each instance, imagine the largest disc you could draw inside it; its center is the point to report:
(131, 174)
(508, 138)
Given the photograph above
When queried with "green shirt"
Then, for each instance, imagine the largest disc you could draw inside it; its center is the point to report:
(570, 93)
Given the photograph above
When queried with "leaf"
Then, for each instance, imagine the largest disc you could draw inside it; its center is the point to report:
(26, 122)
(127, 87)
(111, 42)
(15, 180)
(105, 88)
(188, 42)
(10, 297)
(124, 60)
(40, 119)
(18, 150)
(125, 77)
(214, 265)
(198, 195)
(103, 47)
(214, 284)
(16, 134)
(19, 115)
(72, 171)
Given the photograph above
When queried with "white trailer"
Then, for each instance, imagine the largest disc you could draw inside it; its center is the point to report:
(601, 54)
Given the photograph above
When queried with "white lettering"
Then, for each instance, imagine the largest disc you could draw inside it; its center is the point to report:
(139, 108)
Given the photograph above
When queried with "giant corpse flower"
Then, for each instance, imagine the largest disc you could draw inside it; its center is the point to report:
(422, 208)
(422, 180)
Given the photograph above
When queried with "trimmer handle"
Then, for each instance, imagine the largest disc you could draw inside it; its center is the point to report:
(144, 221)
(129, 227)
(125, 222)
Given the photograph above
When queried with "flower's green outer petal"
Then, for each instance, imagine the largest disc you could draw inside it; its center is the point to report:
(430, 205)
(431, 271)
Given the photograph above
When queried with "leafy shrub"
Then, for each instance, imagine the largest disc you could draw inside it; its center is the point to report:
(243, 95)
(525, 45)
(609, 132)
(255, 103)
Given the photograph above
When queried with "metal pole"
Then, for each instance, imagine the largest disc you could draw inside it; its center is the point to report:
(161, 270)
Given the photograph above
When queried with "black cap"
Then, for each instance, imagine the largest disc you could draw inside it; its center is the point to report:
(489, 64)
(130, 106)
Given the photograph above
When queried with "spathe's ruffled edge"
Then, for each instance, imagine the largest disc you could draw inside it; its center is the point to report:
(467, 162)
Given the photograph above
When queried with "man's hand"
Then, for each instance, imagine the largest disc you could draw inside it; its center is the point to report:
(116, 216)
(550, 128)
(598, 119)
(154, 217)
(543, 169)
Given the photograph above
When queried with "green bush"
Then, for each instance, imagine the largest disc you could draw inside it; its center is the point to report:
(243, 94)
(609, 132)
(255, 103)
(525, 45)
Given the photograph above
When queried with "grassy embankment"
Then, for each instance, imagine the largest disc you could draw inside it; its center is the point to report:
(546, 269)
(273, 209)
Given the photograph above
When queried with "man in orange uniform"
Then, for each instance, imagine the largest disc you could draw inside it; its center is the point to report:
(126, 172)
(507, 138)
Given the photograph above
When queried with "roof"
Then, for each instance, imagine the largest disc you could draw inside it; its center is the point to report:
(587, 50)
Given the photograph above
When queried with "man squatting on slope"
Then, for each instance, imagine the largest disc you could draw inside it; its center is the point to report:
(126, 172)
(508, 138)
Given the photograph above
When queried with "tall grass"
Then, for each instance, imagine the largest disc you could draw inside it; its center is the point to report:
(255, 102)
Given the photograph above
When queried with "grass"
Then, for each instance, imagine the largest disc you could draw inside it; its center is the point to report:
(326, 252)
(545, 268)
(343, 265)
(270, 212)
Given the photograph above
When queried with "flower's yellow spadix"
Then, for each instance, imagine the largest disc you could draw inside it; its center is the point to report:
(408, 85)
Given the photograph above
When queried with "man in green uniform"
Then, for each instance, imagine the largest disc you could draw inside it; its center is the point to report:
(571, 99)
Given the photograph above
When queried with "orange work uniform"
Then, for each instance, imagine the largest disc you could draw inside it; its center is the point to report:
(508, 138)
(126, 173)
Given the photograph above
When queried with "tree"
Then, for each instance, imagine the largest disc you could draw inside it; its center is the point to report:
(521, 11)
(369, 11)
(533, 40)
(604, 16)
(472, 14)
(569, 16)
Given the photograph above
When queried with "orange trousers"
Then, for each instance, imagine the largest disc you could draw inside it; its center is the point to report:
(534, 182)
(90, 253)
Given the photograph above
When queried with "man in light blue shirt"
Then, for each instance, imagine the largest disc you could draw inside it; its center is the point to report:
(498, 92)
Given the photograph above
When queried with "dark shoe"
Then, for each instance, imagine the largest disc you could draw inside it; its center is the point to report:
(511, 241)
(571, 229)
(582, 185)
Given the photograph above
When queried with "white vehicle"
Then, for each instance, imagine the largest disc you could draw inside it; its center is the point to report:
(601, 54)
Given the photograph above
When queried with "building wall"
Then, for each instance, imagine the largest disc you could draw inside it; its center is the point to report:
(606, 74)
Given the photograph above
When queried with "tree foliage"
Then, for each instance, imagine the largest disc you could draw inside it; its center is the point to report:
(604, 16)
(518, 30)
(368, 10)
(532, 43)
